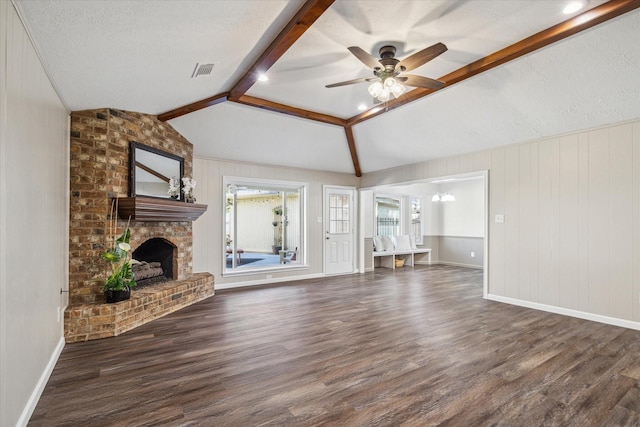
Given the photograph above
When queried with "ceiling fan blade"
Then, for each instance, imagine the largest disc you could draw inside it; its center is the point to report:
(364, 57)
(421, 57)
(350, 82)
(419, 81)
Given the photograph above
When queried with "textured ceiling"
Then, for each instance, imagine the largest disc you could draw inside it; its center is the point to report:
(139, 55)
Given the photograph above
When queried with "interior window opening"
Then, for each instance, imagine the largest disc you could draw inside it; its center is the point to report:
(264, 225)
(387, 216)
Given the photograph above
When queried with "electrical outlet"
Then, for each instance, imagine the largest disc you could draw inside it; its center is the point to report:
(473, 254)
(499, 218)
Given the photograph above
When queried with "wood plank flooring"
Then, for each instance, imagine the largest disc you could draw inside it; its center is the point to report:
(410, 347)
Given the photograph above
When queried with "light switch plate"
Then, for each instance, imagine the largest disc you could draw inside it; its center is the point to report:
(499, 218)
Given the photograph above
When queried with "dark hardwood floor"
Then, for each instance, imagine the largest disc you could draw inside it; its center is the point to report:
(414, 347)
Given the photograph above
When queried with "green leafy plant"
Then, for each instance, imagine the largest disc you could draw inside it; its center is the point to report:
(121, 277)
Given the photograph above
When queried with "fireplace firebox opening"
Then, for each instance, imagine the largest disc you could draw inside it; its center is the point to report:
(155, 262)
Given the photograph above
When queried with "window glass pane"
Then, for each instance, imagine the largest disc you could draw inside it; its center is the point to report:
(339, 214)
(263, 225)
(387, 216)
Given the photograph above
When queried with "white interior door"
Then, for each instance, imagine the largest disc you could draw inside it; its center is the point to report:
(339, 227)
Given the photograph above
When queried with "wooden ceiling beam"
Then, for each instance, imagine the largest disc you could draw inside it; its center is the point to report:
(199, 105)
(301, 22)
(586, 20)
(352, 149)
(313, 9)
(288, 110)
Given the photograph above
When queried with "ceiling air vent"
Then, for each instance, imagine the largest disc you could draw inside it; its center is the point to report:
(202, 70)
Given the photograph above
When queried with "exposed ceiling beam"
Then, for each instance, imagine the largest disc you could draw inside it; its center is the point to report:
(312, 9)
(301, 22)
(181, 111)
(352, 149)
(291, 111)
(586, 20)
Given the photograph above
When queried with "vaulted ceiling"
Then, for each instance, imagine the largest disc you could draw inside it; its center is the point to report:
(514, 71)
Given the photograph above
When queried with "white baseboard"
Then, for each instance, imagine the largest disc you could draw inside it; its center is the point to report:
(459, 264)
(266, 281)
(42, 382)
(567, 312)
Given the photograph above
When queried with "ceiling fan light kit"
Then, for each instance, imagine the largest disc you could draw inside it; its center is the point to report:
(387, 70)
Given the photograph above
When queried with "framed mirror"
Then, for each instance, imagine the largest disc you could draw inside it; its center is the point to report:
(151, 171)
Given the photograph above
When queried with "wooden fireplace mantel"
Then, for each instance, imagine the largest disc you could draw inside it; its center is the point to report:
(142, 208)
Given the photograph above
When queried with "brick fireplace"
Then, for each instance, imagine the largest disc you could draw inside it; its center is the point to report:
(99, 173)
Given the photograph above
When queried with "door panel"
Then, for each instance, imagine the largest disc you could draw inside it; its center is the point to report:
(339, 230)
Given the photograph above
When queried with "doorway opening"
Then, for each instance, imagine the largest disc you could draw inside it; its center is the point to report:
(448, 215)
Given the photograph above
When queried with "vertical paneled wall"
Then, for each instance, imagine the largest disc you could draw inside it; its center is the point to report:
(208, 236)
(571, 235)
(34, 184)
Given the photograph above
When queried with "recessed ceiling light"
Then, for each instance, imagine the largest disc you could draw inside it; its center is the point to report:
(263, 78)
(573, 7)
(362, 107)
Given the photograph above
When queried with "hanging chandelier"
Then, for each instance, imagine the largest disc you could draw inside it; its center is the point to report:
(443, 197)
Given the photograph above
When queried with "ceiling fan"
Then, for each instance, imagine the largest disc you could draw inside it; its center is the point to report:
(387, 71)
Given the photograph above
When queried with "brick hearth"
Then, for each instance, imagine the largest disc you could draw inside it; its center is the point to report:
(99, 173)
(92, 321)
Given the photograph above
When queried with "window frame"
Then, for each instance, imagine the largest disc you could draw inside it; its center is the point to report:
(419, 239)
(268, 184)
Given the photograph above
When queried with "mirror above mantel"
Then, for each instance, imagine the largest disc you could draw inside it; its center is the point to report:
(151, 170)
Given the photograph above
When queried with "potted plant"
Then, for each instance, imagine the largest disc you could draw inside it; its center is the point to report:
(118, 285)
(188, 184)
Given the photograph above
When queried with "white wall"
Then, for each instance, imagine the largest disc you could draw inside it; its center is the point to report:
(34, 188)
(465, 216)
(207, 230)
(367, 207)
(461, 227)
(571, 237)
